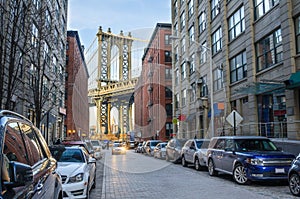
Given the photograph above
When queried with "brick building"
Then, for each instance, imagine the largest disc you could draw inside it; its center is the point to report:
(77, 118)
(153, 95)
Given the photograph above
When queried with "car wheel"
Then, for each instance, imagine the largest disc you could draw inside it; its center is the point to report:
(211, 168)
(239, 174)
(197, 164)
(183, 162)
(294, 184)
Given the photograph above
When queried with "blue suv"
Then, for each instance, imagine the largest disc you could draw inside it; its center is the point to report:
(248, 158)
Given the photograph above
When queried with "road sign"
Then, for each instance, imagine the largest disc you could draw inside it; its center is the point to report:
(234, 118)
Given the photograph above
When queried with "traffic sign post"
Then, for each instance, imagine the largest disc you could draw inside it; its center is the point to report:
(234, 118)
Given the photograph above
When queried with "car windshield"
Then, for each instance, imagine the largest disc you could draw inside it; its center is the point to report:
(116, 144)
(255, 145)
(95, 143)
(68, 155)
(163, 145)
(154, 143)
(202, 144)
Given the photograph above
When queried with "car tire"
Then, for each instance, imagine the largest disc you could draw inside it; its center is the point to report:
(239, 174)
(294, 184)
(211, 168)
(197, 164)
(183, 162)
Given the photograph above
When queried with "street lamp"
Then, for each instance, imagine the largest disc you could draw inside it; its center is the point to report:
(173, 37)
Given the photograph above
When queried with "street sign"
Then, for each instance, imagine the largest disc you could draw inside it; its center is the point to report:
(234, 118)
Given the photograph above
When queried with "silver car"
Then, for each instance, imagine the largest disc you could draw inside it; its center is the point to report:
(194, 152)
(173, 150)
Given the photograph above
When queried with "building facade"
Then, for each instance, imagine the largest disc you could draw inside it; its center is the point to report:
(238, 56)
(77, 118)
(32, 74)
(153, 92)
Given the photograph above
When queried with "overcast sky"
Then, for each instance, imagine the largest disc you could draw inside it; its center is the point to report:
(86, 16)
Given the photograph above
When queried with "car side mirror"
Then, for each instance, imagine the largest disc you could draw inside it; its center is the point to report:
(92, 160)
(20, 175)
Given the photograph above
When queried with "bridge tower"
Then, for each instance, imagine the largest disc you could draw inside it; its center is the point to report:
(115, 85)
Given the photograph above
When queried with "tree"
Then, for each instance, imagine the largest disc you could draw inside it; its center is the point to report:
(29, 41)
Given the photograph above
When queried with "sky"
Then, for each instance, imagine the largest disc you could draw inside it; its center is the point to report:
(133, 16)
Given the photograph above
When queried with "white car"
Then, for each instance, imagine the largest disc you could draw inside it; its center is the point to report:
(97, 149)
(77, 170)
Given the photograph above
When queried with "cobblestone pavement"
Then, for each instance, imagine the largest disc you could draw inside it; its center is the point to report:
(135, 175)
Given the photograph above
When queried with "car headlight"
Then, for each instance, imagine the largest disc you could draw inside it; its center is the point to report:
(76, 178)
(255, 161)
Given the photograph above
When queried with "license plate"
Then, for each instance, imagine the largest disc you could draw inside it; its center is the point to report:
(279, 170)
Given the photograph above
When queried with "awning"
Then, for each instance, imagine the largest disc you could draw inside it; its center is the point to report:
(293, 81)
(260, 88)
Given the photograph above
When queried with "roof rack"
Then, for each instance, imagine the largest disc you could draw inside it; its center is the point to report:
(11, 113)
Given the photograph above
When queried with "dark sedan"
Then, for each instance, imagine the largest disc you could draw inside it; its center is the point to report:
(294, 177)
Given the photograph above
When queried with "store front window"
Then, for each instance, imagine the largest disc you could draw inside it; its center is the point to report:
(272, 115)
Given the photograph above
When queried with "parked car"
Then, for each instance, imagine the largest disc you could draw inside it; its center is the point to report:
(294, 177)
(138, 149)
(194, 152)
(149, 146)
(173, 149)
(118, 148)
(96, 145)
(28, 169)
(143, 146)
(248, 158)
(89, 148)
(131, 145)
(77, 169)
(160, 150)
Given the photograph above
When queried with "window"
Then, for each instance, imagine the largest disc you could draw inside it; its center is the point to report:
(193, 93)
(169, 109)
(176, 28)
(215, 8)
(203, 53)
(183, 97)
(191, 34)
(182, 21)
(238, 67)
(192, 64)
(48, 18)
(297, 32)
(217, 41)
(176, 53)
(202, 22)
(263, 6)
(269, 50)
(14, 148)
(176, 77)
(34, 36)
(33, 144)
(167, 39)
(218, 83)
(168, 57)
(204, 90)
(183, 45)
(183, 71)
(169, 129)
(191, 8)
(168, 74)
(168, 92)
(236, 23)
(175, 8)
(177, 101)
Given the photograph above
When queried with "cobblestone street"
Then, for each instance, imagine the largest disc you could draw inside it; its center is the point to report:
(138, 176)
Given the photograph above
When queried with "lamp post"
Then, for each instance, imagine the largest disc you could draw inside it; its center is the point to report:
(173, 37)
